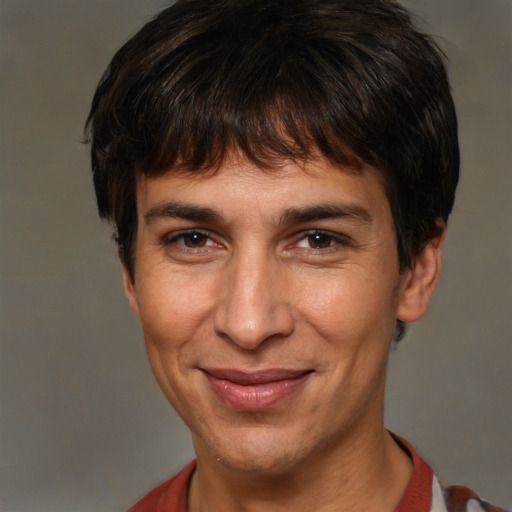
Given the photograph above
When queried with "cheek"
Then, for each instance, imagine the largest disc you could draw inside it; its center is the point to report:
(172, 307)
(349, 306)
(173, 312)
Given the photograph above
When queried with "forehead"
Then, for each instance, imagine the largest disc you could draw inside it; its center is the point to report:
(238, 186)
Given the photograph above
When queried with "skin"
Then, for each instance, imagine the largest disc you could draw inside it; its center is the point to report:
(244, 270)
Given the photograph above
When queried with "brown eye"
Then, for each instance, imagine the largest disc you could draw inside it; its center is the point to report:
(319, 240)
(195, 239)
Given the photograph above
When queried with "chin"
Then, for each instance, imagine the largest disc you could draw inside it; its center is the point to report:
(269, 463)
(260, 450)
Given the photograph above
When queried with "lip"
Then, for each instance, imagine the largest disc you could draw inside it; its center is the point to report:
(255, 391)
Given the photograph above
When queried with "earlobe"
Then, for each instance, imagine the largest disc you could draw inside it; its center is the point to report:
(419, 282)
(130, 291)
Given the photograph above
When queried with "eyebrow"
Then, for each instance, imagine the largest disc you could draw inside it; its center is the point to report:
(182, 211)
(325, 211)
(289, 216)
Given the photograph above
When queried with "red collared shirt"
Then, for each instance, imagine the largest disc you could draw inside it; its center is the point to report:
(423, 494)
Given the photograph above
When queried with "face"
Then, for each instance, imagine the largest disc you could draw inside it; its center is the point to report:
(268, 302)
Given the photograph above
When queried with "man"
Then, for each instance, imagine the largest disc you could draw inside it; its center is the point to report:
(279, 175)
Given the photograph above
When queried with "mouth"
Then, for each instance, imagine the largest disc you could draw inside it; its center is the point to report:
(255, 391)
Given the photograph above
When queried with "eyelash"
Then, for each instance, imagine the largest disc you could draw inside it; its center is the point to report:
(173, 240)
(333, 241)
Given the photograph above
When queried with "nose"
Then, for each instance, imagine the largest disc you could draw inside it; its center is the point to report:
(253, 305)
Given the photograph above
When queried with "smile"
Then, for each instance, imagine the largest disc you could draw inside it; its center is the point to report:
(255, 391)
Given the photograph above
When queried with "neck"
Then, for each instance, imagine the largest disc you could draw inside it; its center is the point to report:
(366, 473)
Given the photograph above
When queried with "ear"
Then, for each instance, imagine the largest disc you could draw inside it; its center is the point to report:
(418, 283)
(130, 291)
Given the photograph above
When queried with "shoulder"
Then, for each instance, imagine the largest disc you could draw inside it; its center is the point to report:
(149, 503)
(425, 493)
(170, 495)
(462, 499)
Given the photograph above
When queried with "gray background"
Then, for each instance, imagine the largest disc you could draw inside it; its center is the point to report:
(83, 426)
